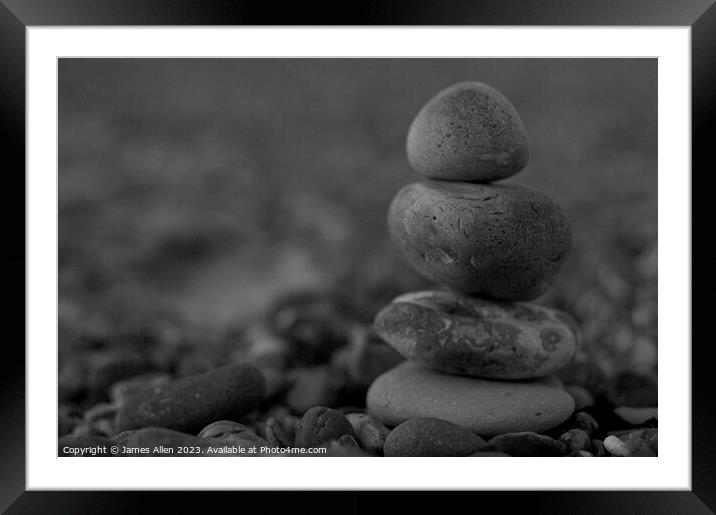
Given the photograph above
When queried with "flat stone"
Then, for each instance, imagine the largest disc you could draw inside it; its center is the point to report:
(431, 437)
(468, 132)
(636, 416)
(469, 336)
(497, 241)
(191, 403)
(486, 407)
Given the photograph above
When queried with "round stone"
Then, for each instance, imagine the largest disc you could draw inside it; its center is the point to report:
(486, 407)
(431, 437)
(191, 403)
(499, 241)
(469, 336)
(320, 425)
(468, 132)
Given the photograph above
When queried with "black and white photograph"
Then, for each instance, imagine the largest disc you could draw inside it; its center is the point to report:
(364, 257)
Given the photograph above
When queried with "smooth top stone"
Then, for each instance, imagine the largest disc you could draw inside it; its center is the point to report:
(484, 406)
(431, 437)
(191, 403)
(464, 335)
(468, 132)
(503, 242)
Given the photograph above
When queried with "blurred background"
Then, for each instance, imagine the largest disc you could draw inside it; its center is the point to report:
(199, 196)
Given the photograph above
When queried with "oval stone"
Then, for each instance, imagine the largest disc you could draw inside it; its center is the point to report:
(503, 242)
(468, 132)
(486, 407)
(469, 336)
(429, 437)
(191, 403)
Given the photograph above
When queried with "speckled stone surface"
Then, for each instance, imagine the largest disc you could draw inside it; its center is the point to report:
(190, 403)
(467, 132)
(464, 335)
(497, 241)
(431, 437)
(487, 407)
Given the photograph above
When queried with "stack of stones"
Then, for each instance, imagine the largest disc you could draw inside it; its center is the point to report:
(478, 355)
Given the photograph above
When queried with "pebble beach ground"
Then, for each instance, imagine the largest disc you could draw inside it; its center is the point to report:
(206, 325)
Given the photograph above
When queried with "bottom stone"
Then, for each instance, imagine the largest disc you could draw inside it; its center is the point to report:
(487, 407)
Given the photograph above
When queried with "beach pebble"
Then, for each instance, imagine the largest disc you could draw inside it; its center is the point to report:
(497, 241)
(455, 334)
(190, 403)
(222, 428)
(636, 416)
(344, 446)
(121, 391)
(582, 397)
(527, 443)
(280, 432)
(487, 407)
(320, 425)
(431, 437)
(576, 440)
(371, 434)
(585, 422)
(468, 132)
(616, 447)
(635, 441)
(598, 449)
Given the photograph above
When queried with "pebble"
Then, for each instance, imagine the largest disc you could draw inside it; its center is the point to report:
(585, 422)
(598, 448)
(431, 437)
(121, 391)
(455, 334)
(190, 403)
(503, 242)
(468, 132)
(634, 440)
(345, 446)
(370, 432)
(222, 428)
(617, 447)
(320, 424)
(487, 407)
(280, 432)
(527, 443)
(576, 440)
(636, 416)
(582, 397)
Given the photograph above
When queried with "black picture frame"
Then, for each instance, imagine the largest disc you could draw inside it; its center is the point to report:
(17, 15)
